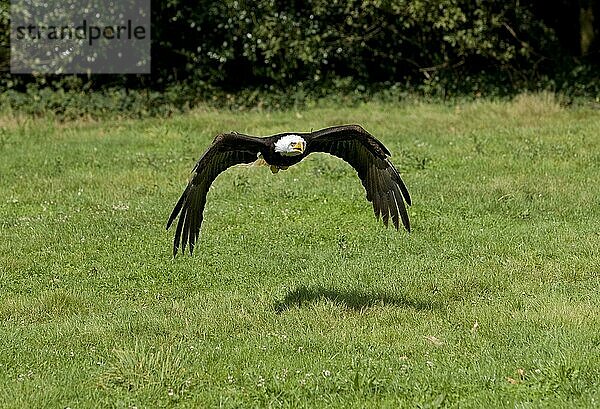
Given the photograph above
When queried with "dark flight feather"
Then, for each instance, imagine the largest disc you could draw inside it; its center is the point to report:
(227, 150)
(369, 157)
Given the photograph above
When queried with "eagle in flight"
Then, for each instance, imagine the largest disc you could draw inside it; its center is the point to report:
(352, 143)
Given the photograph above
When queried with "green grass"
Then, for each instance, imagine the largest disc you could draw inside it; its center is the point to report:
(296, 296)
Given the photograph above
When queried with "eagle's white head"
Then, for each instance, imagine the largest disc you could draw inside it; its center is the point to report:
(290, 145)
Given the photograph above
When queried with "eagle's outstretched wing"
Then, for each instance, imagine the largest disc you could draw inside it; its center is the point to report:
(227, 150)
(369, 158)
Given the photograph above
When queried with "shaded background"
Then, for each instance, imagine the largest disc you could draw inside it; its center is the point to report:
(283, 52)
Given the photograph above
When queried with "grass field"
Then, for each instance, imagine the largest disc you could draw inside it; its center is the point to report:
(296, 296)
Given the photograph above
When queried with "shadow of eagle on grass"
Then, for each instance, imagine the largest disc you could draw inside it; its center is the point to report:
(352, 143)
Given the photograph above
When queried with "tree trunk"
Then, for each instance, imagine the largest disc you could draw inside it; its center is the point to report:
(587, 31)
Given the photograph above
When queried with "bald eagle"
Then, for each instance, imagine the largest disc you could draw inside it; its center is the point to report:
(368, 156)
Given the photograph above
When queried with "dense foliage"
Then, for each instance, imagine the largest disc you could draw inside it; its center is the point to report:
(370, 41)
(437, 47)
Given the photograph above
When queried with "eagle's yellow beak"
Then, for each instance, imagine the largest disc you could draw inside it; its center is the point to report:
(298, 147)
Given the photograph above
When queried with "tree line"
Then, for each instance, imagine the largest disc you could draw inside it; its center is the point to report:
(437, 46)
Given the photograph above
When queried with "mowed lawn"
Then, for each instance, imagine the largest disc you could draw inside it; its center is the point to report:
(296, 296)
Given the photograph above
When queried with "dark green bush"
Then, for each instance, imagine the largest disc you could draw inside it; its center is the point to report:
(236, 44)
(242, 52)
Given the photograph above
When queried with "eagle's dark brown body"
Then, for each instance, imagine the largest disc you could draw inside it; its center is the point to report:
(369, 157)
